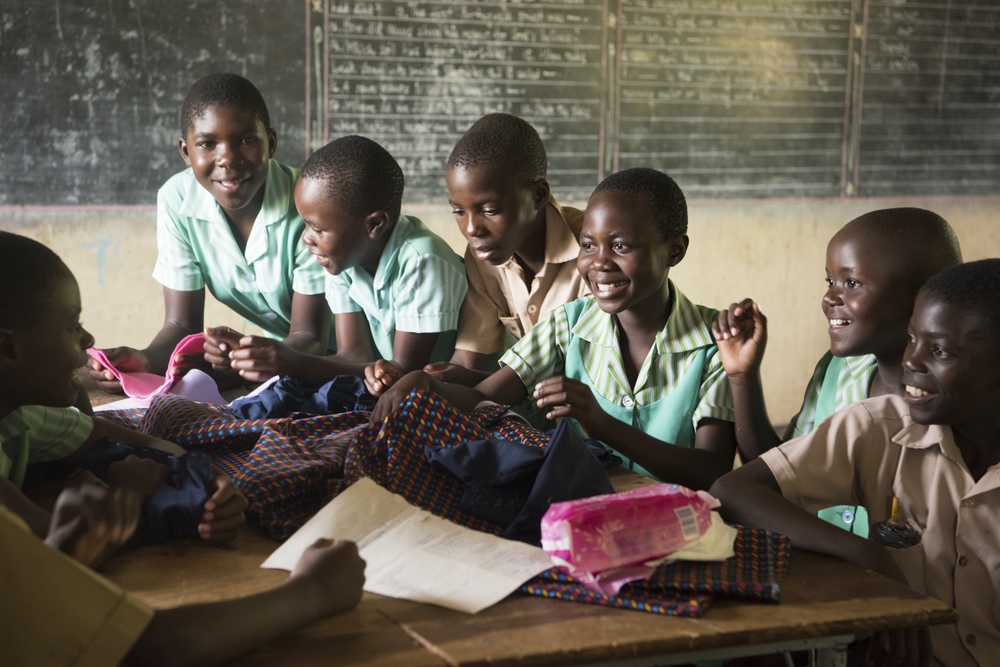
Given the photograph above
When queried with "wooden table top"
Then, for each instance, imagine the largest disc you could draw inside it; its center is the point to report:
(822, 596)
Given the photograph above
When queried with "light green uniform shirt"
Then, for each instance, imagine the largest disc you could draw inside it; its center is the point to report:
(37, 434)
(836, 383)
(418, 287)
(197, 249)
(681, 375)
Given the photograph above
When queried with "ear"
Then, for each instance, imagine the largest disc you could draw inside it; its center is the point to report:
(182, 146)
(541, 192)
(8, 350)
(678, 248)
(272, 140)
(377, 224)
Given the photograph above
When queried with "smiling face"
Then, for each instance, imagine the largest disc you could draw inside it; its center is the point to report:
(41, 361)
(622, 257)
(229, 151)
(950, 365)
(495, 211)
(338, 240)
(869, 296)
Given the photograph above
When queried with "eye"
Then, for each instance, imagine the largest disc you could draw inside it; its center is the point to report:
(828, 281)
(940, 352)
(490, 211)
(620, 247)
(249, 140)
(457, 212)
(851, 282)
(586, 245)
(206, 145)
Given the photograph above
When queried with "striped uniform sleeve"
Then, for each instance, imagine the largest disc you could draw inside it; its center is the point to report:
(55, 433)
(177, 267)
(433, 300)
(338, 295)
(541, 353)
(715, 396)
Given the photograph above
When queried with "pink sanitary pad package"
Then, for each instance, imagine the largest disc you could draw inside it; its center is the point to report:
(606, 541)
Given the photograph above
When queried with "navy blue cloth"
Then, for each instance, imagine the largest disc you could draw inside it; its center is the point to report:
(513, 484)
(176, 506)
(344, 393)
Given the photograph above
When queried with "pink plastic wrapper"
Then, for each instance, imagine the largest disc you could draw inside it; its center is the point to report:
(616, 534)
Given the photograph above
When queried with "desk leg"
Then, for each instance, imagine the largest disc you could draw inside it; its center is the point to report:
(831, 656)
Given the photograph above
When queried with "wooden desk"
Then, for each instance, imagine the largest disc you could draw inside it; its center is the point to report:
(822, 597)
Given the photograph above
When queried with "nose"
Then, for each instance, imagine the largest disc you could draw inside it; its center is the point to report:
(307, 237)
(225, 154)
(832, 296)
(470, 226)
(913, 357)
(86, 340)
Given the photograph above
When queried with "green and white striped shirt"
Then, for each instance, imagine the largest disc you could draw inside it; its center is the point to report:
(542, 352)
(36, 434)
(854, 380)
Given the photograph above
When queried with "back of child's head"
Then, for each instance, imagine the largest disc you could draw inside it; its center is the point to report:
(29, 276)
(924, 241)
(972, 287)
(222, 89)
(360, 176)
(660, 192)
(503, 142)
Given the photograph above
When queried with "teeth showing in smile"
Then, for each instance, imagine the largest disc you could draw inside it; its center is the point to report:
(605, 287)
(839, 323)
(916, 393)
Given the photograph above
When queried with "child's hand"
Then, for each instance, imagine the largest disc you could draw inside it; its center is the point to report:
(445, 371)
(125, 359)
(223, 513)
(380, 376)
(90, 522)
(219, 342)
(390, 401)
(138, 474)
(337, 571)
(257, 358)
(741, 334)
(570, 398)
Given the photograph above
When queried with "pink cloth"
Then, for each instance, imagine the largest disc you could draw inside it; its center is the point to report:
(145, 385)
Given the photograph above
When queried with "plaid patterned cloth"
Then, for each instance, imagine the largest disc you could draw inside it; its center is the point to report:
(289, 468)
(687, 588)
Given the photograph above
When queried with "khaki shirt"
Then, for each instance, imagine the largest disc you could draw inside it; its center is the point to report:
(499, 301)
(872, 451)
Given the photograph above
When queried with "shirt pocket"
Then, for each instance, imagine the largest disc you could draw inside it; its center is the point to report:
(267, 276)
(513, 325)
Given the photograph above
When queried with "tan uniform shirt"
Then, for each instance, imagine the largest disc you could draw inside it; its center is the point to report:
(499, 300)
(872, 451)
(55, 611)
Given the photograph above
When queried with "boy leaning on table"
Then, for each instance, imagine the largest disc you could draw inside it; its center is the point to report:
(936, 450)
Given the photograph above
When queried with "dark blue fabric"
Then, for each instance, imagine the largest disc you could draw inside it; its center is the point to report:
(514, 484)
(176, 506)
(344, 393)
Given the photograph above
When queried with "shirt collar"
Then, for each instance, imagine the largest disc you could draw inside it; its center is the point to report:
(198, 203)
(561, 245)
(684, 331)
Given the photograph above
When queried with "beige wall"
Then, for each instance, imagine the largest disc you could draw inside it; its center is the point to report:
(770, 250)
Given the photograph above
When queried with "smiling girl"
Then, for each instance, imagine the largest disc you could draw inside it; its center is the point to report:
(634, 366)
(229, 223)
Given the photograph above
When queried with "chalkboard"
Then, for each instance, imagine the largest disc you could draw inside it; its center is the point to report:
(92, 90)
(735, 98)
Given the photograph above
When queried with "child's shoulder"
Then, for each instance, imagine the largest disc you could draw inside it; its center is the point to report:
(417, 240)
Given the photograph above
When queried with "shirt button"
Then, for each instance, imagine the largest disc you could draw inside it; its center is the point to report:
(532, 309)
(628, 402)
(963, 561)
(970, 639)
(969, 502)
(848, 517)
(271, 316)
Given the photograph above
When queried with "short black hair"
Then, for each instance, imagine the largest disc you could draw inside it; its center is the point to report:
(360, 176)
(222, 89)
(661, 192)
(502, 141)
(29, 276)
(973, 286)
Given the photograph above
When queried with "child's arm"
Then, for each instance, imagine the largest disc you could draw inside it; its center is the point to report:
(741, 334)
(466, 368)
(257, 358)
(504, 387)
(327, 579)
(183, 315)
(697, 468)
(410, 352)
(750, 495)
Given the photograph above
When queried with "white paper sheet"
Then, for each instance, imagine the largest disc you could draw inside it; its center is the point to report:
(414, 555)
